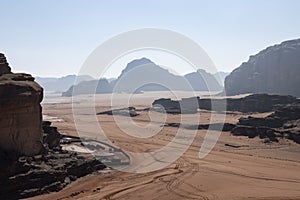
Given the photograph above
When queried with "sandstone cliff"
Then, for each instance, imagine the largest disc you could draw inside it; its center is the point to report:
(274, 70)
(21, 116)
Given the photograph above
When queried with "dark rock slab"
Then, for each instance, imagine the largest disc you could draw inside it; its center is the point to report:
(130, 112)
(283, 123)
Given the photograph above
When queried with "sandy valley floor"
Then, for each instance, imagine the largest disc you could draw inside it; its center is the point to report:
(253, 171)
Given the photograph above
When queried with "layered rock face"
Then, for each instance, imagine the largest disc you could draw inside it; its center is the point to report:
(4, 68)
(21, 113)
(274, 70)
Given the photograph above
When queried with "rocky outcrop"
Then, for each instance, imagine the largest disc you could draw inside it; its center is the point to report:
(252, 103)
(32, 161)
(4, 67)
(183, 106)
(283, 123)
(21, 113)
(50, 171)
(274, 70)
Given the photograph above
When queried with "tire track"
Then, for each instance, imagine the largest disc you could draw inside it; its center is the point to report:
(174, 184)
(137, 186)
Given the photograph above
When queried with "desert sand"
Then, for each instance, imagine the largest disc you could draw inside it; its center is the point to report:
(255, 170)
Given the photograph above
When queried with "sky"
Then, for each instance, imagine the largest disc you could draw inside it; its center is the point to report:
(53, 38)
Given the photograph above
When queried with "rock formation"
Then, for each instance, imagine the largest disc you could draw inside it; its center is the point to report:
(252, 103)
(89, 87)
(32, 161)
(27, 176)
(4, 67)
(183, 106)
(21, 113)
(283, 123)
(274, 70)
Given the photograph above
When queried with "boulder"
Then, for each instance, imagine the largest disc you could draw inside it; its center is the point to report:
(51, 135)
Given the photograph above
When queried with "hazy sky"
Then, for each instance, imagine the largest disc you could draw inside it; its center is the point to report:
(54, 37)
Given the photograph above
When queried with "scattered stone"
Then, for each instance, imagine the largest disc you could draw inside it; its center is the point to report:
(130, 112)
(267, 140)
(231, 145)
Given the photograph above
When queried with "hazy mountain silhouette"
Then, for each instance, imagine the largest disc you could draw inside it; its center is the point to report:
(144, 75)
(151, 77)
(220, 77)
(89, 87)
(60, 84)
(203, 81)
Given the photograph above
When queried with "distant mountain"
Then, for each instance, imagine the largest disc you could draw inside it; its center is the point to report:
(200, 81)
(151, 77)
(60, 84)
(220, 77)
(144, 75)
(89, 87)
(275, 70)
(111, 79)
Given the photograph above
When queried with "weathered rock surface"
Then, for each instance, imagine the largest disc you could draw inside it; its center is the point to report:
(21, 114)
(283, 123)
(4, 67)
(251, 103)
(275, 70)
(27, 176)
(183, 106)
(32, 161)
